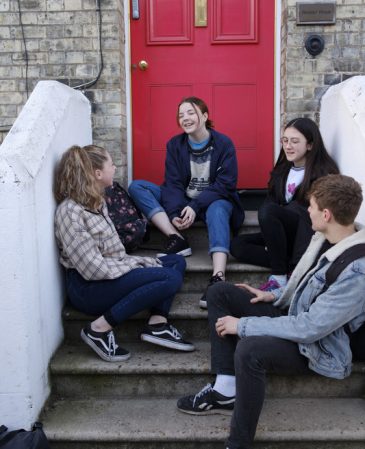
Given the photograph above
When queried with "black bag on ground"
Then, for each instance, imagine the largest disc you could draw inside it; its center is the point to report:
(127, 220)
(24, 439)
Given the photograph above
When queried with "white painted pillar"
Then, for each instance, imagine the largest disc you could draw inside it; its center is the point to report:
(54, 118)
(343, 129)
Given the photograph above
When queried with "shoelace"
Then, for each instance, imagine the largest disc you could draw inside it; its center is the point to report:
(217, 277)
(112, 346)
(176, 334)
(171, 242)
(207, 388)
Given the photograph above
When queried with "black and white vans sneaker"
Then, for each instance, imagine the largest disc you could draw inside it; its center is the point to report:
(167, 336)
(104, 344)
(176, 245)
(206, 402)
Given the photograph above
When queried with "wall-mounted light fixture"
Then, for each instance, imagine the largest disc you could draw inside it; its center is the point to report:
(314, 44)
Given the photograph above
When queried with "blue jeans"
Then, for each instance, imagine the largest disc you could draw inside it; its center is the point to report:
(147, 197)
(118, 299)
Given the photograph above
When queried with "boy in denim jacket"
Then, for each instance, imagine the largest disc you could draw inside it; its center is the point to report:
(295, 330)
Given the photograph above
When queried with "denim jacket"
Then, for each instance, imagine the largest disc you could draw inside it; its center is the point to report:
(316, 320)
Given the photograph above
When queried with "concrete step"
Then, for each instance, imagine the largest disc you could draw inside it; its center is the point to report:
(199, 270)
(152, 371)
(198, 235)
(251, 199)
(132, 405)
(185, 314)
(157, 424)
(185, 311)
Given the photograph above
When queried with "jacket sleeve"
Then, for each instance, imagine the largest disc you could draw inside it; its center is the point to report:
(332, 309)
(173, 197)
(225, 177)
(81, 249)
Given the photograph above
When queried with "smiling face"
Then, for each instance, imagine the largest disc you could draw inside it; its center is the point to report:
(105, 175)
(192, 121)
(295, 146)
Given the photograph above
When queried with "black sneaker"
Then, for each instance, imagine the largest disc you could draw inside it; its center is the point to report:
(104, 344)
(167, 336)
(206, 402)
(218, 277)
(176, 245)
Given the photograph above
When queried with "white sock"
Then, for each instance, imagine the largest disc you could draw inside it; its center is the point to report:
(281, 279)
(225, 385)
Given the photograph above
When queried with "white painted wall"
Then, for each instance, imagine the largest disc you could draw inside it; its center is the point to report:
(343, 129)
(54, 118)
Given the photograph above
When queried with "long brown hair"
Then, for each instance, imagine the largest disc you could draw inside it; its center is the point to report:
(196, 103)
(75, 175)
(317, 163)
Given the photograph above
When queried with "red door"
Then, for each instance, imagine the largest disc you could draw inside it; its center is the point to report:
(228, 62)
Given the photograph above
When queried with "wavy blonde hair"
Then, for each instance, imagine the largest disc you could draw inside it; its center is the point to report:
(75, 175)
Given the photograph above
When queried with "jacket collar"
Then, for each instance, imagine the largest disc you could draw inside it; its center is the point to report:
(309, 257)
(336, 250)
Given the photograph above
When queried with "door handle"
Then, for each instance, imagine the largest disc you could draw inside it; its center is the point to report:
(143, 65)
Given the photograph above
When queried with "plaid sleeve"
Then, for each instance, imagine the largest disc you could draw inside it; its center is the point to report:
(89, 243)
(79, 250)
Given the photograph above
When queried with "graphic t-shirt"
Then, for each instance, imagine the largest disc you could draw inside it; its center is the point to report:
(293, 181)
(200, 157)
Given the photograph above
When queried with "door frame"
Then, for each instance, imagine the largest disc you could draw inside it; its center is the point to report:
(128, 84)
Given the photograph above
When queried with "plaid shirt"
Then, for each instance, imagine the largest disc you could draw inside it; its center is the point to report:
(89, 243)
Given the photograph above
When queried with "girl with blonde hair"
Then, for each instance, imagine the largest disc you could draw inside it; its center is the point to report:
(101, 278)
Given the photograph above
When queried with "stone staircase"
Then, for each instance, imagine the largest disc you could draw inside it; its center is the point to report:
(132, 405)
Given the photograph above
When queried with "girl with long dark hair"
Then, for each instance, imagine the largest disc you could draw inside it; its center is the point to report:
(284, 220)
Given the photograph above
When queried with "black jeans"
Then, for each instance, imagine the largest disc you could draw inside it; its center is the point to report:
(248, 358)
(285, 232)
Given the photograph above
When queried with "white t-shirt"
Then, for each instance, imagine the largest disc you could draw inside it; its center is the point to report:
(294, 179)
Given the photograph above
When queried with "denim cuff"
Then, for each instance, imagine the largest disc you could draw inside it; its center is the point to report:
(155, 311)
(241, 327)
(277, 292)
(219, 249)
(109, 318)
(154, 212)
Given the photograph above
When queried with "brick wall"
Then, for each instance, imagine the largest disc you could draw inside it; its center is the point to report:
(62, 43)
(306, 78)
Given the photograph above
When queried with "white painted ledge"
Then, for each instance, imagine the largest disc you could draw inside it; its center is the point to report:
(343, 128)
(54, 118)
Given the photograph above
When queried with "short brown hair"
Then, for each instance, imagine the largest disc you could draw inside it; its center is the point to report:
(341, 194)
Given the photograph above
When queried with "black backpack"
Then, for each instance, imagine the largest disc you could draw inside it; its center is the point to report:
(24, 439)
(127, 220)
(339, 264)
(357, 338)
